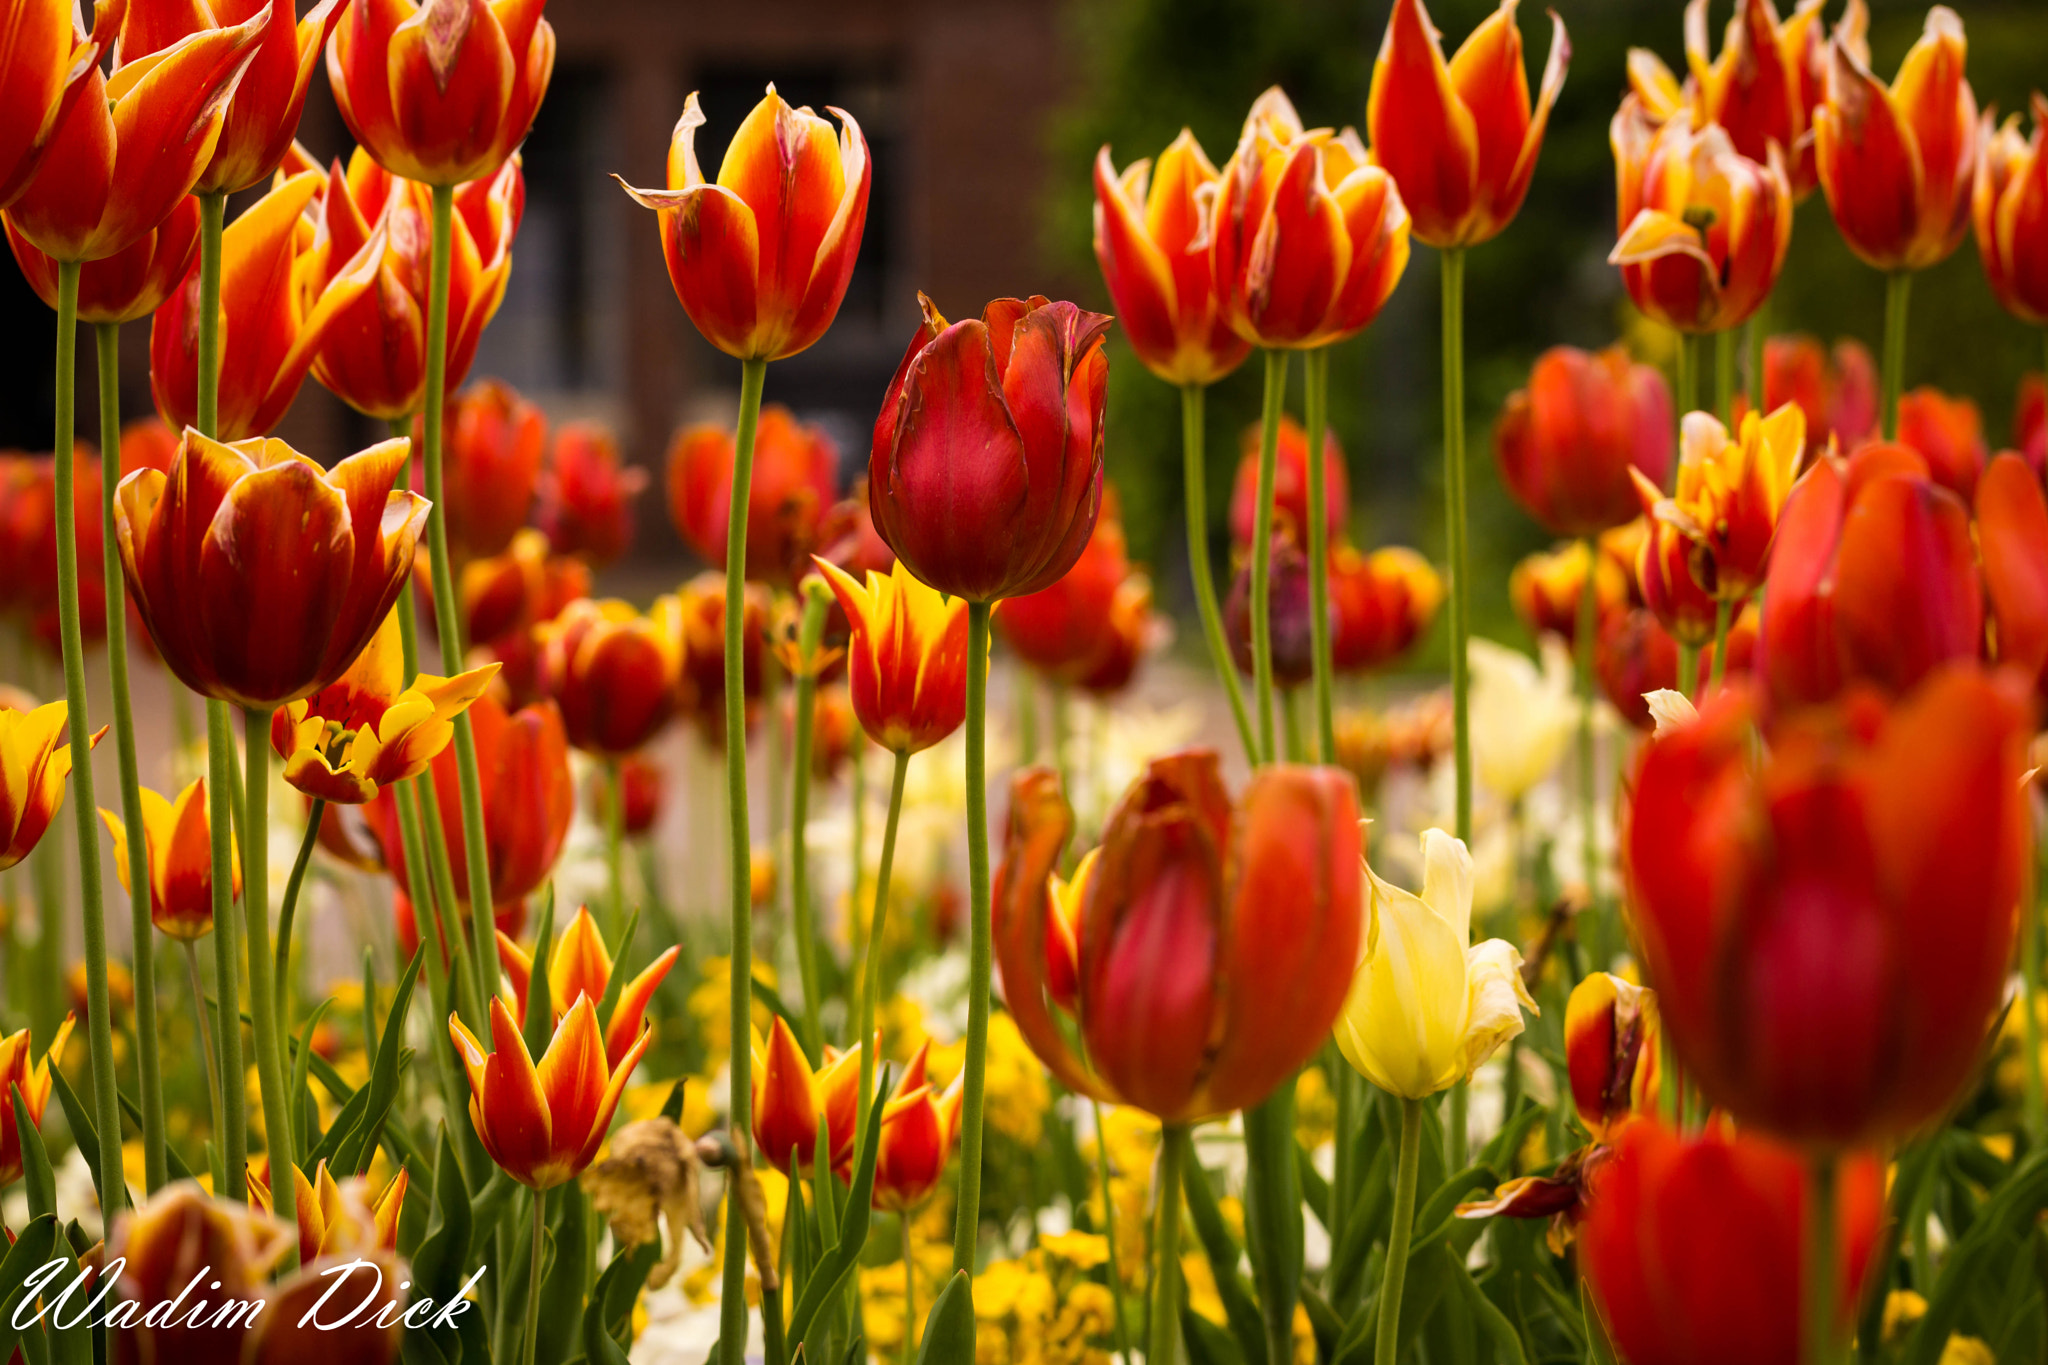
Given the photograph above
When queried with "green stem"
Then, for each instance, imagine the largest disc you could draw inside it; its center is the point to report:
(270, 1073)
(206, 1030)
(1290, 726)
(909, 1291)
(967, 1230)
(871, 989)
(1262, 553)
(288, 912)
(1195, 493)
(1027, 713)
(1724, 374)
(1164, 1344)
(1454, 510)
(810, 632)
(615, 842)
(1722, 610)
(533, 1279)
(1688, 374)
(1757, 328)
(1343, 1176)
(1588, 629)
(1116, 1275)
(1898, 292)
(1389, 1334)
(1272, 1215)
(1315, 367)
(155, 1169)
(1822, 1265)
(732, 1307)
(213, 215)
(227, 970)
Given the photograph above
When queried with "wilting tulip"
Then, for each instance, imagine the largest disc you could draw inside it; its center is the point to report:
(796, 472)
(613, 672)
(1547, 589)
(1873, 578)
(1949, 434)
(907, 662)
(1383, 602)
(1664, 578)
(1061, 629)
(45, 69)
(33, 1080)
(33, 766)
(1307, 238)
(1210, 943)
(1704, 229)
(586, 497)
(579, 968)
(760, 257)
(918, 1132)
(444, 91)
(1427, 1005)
(789, 1096)
(1565, 443)
(1694, 1248)
(1837, 390)
(180, 843)
(1290, 485)
(1729, 496)
(1149, 223)
(2012, 537)
(367, 729)
(1290, 616)
(129, 284)
(1610, 1050)
(2009, 208)
(374, 355)
(1897, 165)
(1897, 838)
(270, 329)
(261, 576)
(986, 471)
(1460, 138)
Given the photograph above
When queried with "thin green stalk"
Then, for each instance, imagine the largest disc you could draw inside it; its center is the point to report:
(288, 912)
(1343, 1176)
(1116, 1275)
(1164, 1344)
(233, 1136)
(615, 842)
(1823, 1290)
(1272, 1215)
(1898, 291)
(1315, 368)
(1588, 628)
(810, 632)
(1290, 726)
(1724, 375)
(533, 1279)
(206, 1029)
(1388, 1337)
(1455, 517)
(967, 1231)
(871, 988)
(155, 1169)
(1758, 326)
(1688, 374)
(732, 1307)
(1689, 670)
(1722, 611)
(1195, 493)
(1262, 553)
(270, 1071)
(213, 214)
(909, 1290)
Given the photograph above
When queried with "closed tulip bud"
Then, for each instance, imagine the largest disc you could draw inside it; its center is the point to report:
(1149, 223)
(2012, 537)
(796, 474)
(441, 91)
(1949, 434)
(1865, 869)
(129, 284)
(1898, 164)
(34, 761)
(47, 67)
(1382, 602)
(1664, 578)
(261, 576)
(789, 1097)
(1460, 138)
(586, 495)
(907, 660)
(1565, 443)
(1546, 589)
(1610, 1049)
(613, 672)
(33, 1081)
(579, 967)
(1211, 941)
(985, 476)
(919, 1129)
(1290, 616)
(1694, 1248)
(179, 839)
(1307, 238)
(1634, 656)
(2009, 209)
(1061, 629)
(1729, 496)
(760, 257)
(1290, 484)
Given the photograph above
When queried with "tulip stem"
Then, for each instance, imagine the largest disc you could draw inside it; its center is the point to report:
(206, 1027)
(1272, 1215)
(1724, 374)
(732, 1306)
(288, 912)
(1687, 367)
(533, 1277)
(1262, 553)
(1290, 726)
(155, 1170)
(810, 633)
(213, 216)
(1689, 670)
(1116, 1274)
(909, 1280)
(1722, 610)
(270, 1075)
(1195, 493)
(1898, 291)
(615, 842)
(227, 970)
(1758, 326)
(1315, 375)
(1456, 545)
(1823, 1294)
(1164, 1344)
(1588, 628)
(871, 988)
(967, 1231)
(1387, 1340)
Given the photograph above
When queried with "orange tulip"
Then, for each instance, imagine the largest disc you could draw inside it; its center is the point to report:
(918, 1132)
(789, 1096)
(1382, 602)
(1061, 629)
(760, 257)
(1290, 485)
(260, 576)
(442, 91)
(33, 766)
(2012, 538)
(585, 497)
(907, 664)
(1836, 389)
(1566, 442)
(2009, 209)
(45, 70)
(1663, 570)
(700, 613)
(1948, 433)
(34, 1082)
(1545, 589)
(796, 475)
(1704, 229)
(1728, 498)
(506, 598)
(1307, 238)
(1610, 1048)
(1898, 164)
(129, 284)
(613, 672)
(1149, 224)
(335, 1217)
(180, 842)
(1460, 138)
(580, 968)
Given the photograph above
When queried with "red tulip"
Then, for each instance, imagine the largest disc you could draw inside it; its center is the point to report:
(586, 497)
(1664, 578)
(1133, 632)
(1061, 630)
(129, 284)
(1383, 602)
(1948, 433)
(2009, 208)
(700, 608)
(1611, 1041)
(179, 842)
(147, 443)
(580, 968)
(1290, 484)
(2030, 421)
(45, 70)
(1837, 390)
(1565, 443)
(796, 471)
(2012, 537)
(613, 671)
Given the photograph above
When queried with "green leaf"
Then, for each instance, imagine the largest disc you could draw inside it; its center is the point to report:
(838, 1263)
(672, 1107)
(949, 1327)
(369, 1002)
(174, 1163)
(2006, 1214)
(1315, 1191)
(768, 996)
(30, 1251)
(300, 1066)
(1507, 1343)
(1221, 1249)
(353, 1155)
(561, 1293)
(493, 1199)
(618, 1288)
(1323, 1321)
(538, 1027)
(1207, 1344)
(437, 1267)
(82, 1131)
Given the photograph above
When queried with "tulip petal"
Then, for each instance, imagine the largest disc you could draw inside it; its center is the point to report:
(1422, 133)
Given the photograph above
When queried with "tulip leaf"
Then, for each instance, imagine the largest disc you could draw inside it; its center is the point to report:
(1272, 1203)
(1434, 1219)
(772, 998)
(838, 1263)
(1913, 1168)
(1363, 1226)
(353, 1155)
(672, 1107)
(369, 1002)
(616, 983)
(1499, 1152)
(1486, 1314)
(1986, 1246)
(300, 1096)
(29, 1252)
(1322, 1321)
(1206, 1343)
(493, 1199)
(437, 1267)
(1597, 1344)
(345, 1122)
(79, 1118)
(610, 1310)
(949, 1328)
(561, 1292)
(1221, 1249)
(1315, 1191)
(538, 1027)
(174, 1163)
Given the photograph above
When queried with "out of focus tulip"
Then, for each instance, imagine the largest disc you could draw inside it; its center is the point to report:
(45, 70)
(1460, 138)
(120, 991)
(1383, 602)
(1664, 578)
(1837, 390)
(374, 355)
(28, 543)
(1149, 223)
(1059, 630)
(129, 284)
(613, 672)
(918, 1132)
(789, 1097)
(506, 598)
(986, 472)
(1704, 229)
(1949, 434)
(342, 1217)
(441, 91)
(1547, 588)
(2009, 208)
(1763, 86)
(493, 444)
(907, 662)
(148, 443)
(1610, 1050)
(586, 496)
(760, 257)
(1898, 164)
(1524, 714)
(1633, 656)
(1203, 953)
(796, 471)
(1427, 1005)
(508, 919)
(1865, 870)
(1694, 1247)
(261, 576)
(1565, 443)
(579, 968)
(2012, 538)
(1290, 616)
(180, 843)
(1290, 485)
(34, 761)
(1134, 630)
(644, 785)
(2030, 421)
(1728, 497)
(270, 329)
(700, 610)
(33, 1080)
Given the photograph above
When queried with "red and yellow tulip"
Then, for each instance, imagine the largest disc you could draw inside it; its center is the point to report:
(613, 671)
(1610, 1049)
(907, 661)
(179, 838)
(33, 1079)
(45, 70)
(2009, 209)
(1728, 498)
(789, 1096)
(133, 282)
(34, 761)
(580, 967)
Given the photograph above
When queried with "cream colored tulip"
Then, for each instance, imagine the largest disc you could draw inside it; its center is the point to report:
(1426, 1007)
(1523, 716)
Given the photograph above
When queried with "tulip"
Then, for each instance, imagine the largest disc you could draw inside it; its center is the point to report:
(918, 1132)
(505, 598)
(907, 664)
(760, 258)
(1949, 434)
(1212, 940)
(1062, 629)
(1763, 86)
(444, 91)
(44, 71)
(1134, 631)
(148, 443)
(2012, 537)
(2030, 421)
(700, 607)
(613, 672)
(374, 355)
(1837, 390)
(2009, 209)
(1382, 602)
(33, 1081)
(1896, 836)
(586, 498)
(1664, 578)
(270, 331)
(1289, 613)
(1545, 589)
(1695, 1248)
(1565, 443)
(180, 843)
(29, 529)
(1633, 657)
(796, 472)
(1610, 1048)
(129, 284)
(340, 1218)
(1704, 229)
(789, 1096)
(1729, 496)
(1149, 227)
(1290, 485)
(643, 784)
(1524, 714)
(495, 440)
(33, 766)
(580, 968)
